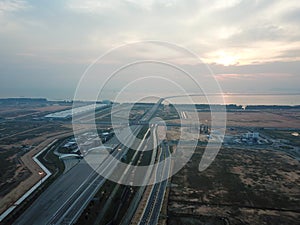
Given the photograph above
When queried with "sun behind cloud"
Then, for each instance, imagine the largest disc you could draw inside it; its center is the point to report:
(226, 59)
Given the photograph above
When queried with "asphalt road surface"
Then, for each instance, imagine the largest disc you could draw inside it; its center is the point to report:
(62, 198)
(51, 200)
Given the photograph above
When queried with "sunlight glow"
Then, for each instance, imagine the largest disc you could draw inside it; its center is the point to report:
(227, 59)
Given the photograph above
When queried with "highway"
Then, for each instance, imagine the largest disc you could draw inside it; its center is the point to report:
(128, 174)
(150, 144)
(155, 200)
(65, 199)
(48, 203)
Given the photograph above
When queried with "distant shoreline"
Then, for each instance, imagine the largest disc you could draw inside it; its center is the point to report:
(28, 100)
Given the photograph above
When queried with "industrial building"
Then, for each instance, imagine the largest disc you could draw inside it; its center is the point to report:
(75, 111)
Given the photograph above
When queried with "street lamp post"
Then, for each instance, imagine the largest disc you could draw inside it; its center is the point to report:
(41, 175)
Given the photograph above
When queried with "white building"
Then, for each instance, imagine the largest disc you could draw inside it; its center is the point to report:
(251, 135)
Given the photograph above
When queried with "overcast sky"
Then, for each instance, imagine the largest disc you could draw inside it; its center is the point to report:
(252, 46)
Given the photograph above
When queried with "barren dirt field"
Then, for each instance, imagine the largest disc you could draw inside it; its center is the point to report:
(23, 133)
(13, 112)
(19, 171)
(240, 187)
(263, 118)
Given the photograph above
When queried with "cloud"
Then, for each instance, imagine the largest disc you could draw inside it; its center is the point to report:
(89, 6)
(13, 5)
(281, 83)
(244, 38)
(256, 76)
(245, 29)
